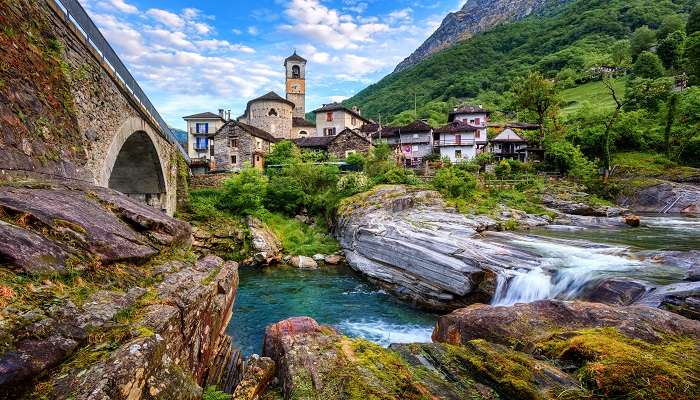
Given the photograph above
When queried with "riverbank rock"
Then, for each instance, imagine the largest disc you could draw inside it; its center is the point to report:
(613, 352)
(682, 298)
(409, 242)
(315, 361)
(303, 262)
(633, 220)
(50, 225)
(219, 236)
(658, 196)
(529, 323)
(258, 374)
(267, 248)
(576, 203)
(333, 260)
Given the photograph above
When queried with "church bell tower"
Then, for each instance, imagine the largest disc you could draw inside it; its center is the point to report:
(296, 83)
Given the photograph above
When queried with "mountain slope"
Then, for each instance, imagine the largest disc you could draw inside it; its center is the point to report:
(475, 16)
(575, 35)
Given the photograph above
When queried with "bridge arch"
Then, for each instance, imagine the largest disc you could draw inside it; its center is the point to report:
(136, 165)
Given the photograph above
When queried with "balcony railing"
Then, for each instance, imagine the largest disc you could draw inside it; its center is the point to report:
(194, 131)
(454, 142)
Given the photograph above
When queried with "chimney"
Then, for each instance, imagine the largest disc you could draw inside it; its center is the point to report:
(221, 113)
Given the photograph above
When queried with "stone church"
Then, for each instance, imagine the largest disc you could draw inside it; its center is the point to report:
(282, 117)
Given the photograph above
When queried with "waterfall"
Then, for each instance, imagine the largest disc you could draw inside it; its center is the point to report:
(565, 268)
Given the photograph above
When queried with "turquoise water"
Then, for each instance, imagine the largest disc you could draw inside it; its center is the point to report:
(333, 296)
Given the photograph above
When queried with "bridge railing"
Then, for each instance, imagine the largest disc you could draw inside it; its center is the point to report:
(77, 15)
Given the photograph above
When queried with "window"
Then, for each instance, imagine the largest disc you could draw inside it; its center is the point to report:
(272, 113)
(233, 143)
(296, 72)
(477, 121)
(458, 154)
(477, 134)
(201, 127)
(234, 160)
(415, 136)
(329, 117)
(303, 133)
(258, 144)
(257, 158)
(458, 140)
(211, 149)
(201, 143)
(329, 132)
(354, 121)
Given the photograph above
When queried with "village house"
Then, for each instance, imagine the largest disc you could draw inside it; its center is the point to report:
(237, 144)
(511, 143)
(334, 117)
(340, 146)
(415, 142)
(457, 141)
(200, 131)
(475, 116)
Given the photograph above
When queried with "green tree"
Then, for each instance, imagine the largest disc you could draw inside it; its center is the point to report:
(642, 40)
(620, 53)
(693, 25)
(647, 93)
(619, 103)
(670, 24)
(536, 94)
(284, 152)
(244, 192)
(285, 194)
(648, 66)
(692, 55)
(671, 49)
(454, 182)
(672, 109)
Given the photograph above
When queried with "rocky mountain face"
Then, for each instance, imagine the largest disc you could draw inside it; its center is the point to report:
(475, 16)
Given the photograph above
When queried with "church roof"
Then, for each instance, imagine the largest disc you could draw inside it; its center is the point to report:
(302, 122)
(271, 96)
(294, 57)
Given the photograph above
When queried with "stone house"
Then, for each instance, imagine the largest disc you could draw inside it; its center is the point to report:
(237, 143)
(335, 117)
(200, 132)
(475, 116)
(270, 113)
(415, 143)
(340, 146)
(457, 141)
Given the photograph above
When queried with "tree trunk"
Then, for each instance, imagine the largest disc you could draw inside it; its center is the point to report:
(606, 145)
(672, 104)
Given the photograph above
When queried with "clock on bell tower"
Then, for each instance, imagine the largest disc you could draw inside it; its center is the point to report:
(296, 83)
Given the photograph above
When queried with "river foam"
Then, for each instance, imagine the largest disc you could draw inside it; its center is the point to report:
(385, 333)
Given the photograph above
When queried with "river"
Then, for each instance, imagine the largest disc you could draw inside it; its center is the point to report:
(569, 258)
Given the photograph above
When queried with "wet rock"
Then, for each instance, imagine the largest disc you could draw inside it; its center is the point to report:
(693, 273)
(681, 298)
(318, 257)
(259, 372)
(332, 260)
(303, 262)
(266, 246)
(529, 323)
(616, 291)
(409, 242)
(575, 204)
(663, 197)
(633, 220)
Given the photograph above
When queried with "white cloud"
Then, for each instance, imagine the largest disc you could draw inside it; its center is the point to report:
(253, 31)
(338, 99)
(166, 18)
(119, 5)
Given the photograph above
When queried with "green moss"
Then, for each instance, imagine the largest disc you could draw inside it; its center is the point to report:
(70, 225)
(612, 365)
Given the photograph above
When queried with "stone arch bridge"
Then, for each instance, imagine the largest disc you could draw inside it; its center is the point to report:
(111, 134)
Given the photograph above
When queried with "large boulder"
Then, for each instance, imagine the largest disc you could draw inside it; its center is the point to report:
(616, 291)
(76, 222)
(408, 241)
(664, 197)
(266, 247)
(529, 323)
(316, 362)
(682, 298)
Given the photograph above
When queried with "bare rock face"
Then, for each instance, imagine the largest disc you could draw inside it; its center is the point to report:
(528, 323)
(616, 291)
(476, 16)
(266, 246)
(411, 243)
(664, 197)
(48, 224)
(259, 372)
(682, 298)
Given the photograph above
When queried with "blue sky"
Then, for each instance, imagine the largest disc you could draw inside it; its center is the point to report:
(201, 55)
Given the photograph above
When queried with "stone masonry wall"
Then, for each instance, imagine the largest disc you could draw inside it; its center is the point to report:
(348, 142)
(279, 126)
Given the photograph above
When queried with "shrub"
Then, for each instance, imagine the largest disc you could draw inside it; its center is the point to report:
(285, 194)
(400, 176)
(356, 160)
(212, 393)
(484, 159)
(284, 152)
(204, 203)
(353, 183)
(244, 192)
(454, 182)
(503, 168)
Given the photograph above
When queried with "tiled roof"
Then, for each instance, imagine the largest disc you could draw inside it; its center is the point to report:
(387, 132)
(515, 125)
(204, 115)
(302, 122)
(339, 107)
(456, 127)
(470, 109)
(257, 132)
(271, 96)
(315, 142)
(508, 135)
(416, 126)
(370, 128)
(295, 57)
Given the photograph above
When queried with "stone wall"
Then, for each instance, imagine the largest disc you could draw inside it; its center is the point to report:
(247, 150)
(209, 181)
(64, 113)
(280, 126)
(348, 142)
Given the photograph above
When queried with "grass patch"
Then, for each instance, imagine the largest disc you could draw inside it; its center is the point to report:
(298, 238)
(595, 93)
(651, 165)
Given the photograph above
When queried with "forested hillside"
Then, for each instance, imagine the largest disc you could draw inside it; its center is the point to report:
(572, 37)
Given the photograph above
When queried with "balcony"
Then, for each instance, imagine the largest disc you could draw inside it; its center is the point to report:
(194, 131)
(453, 142)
